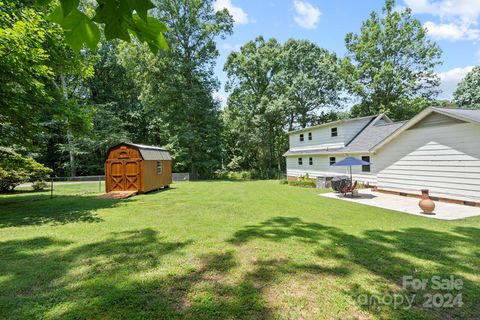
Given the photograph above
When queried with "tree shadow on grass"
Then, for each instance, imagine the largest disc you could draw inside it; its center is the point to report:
(389, 256)
(122, 277)
(59, 210)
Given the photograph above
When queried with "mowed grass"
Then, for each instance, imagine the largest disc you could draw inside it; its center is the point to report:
(224, 250)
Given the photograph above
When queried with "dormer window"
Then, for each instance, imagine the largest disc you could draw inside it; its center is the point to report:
(309, 136)
(301, 137)
(334, 132)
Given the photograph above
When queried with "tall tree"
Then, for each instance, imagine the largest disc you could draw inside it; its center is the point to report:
(467, 94)
(177, 85)
(34, 65)
(310, 82)
(255, 114)
(390, 64)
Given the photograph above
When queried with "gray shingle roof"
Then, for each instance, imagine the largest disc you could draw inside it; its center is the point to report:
(150, 152)
(468, 114)
(368, 138)
(332, 123)
(372, 135)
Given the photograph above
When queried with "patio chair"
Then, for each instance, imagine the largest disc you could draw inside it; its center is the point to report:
(347, 189)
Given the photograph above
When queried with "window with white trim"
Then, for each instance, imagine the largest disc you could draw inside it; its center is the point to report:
(366, 168)
(159, 168)
(300, 161)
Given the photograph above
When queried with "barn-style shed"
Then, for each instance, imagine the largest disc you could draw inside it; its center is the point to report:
(136, 167)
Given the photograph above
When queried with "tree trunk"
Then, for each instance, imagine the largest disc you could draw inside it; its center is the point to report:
(70, 140)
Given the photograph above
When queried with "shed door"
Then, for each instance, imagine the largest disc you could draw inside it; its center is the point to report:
(123, 175)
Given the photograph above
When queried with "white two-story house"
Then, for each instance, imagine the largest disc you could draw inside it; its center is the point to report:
(439, 149)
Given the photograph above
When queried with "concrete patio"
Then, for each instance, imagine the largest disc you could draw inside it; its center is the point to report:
(443, 211)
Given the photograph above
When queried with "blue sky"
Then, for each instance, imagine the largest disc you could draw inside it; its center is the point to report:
(453, 24)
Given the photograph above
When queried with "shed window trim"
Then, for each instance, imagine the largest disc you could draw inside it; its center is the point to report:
(332, 161)
(300, 161)
(159, 168)
(366, 168)
(334, 132)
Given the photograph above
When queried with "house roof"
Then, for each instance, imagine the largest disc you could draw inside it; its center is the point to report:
(332, 123)
(367, 138)
(374, 135)
(471, 115)
(149, 152)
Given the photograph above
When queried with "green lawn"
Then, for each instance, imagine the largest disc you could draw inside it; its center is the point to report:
(224, 250)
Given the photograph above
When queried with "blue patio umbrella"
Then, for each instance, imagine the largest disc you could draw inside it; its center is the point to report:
(349, 162)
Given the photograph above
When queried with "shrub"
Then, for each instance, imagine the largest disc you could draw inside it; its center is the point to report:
(283, 181)
(303, 183)
(252, 174)
(39, 185)
(16, 169)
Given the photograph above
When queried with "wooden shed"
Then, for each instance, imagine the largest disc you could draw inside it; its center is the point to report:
(136, 167)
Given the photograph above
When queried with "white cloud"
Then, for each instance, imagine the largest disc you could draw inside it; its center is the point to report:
(458, 18)
(307, 15)
(451, 31)
(450, 80)
(467, 10)
(231, 47)
(239, 16)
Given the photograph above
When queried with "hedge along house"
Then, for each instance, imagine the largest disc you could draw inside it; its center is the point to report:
(136, 167)
(438, 149)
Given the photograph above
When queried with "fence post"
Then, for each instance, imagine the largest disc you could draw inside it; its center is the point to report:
(51, 187)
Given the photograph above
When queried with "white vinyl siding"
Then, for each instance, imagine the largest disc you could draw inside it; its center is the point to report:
(322, 136)
(444, 158)
(321, 167)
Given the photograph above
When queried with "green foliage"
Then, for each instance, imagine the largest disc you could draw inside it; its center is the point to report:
(34, 58)
(254, 117)
(15, 169)
(390, 64)
(120, 18)
(467, 94)
(252, 174)
(234, 175)
(283, 181)
(39, 185)
(302, 183)
(310, 82)
(78, 28)
(274, 88)
(175, 87)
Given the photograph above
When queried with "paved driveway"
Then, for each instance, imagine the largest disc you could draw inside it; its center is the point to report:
(444, 211)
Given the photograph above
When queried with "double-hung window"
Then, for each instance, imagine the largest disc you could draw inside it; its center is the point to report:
(366, 168)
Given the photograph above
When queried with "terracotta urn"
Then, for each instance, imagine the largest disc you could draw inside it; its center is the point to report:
(426, 204)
